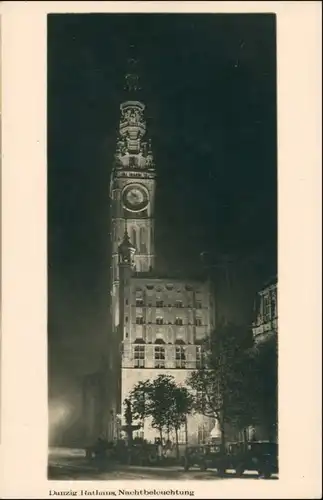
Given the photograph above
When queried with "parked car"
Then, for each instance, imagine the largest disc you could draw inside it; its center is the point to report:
(205, 457)
(261, 456)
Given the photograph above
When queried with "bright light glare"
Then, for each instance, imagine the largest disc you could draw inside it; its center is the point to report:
(59, 412)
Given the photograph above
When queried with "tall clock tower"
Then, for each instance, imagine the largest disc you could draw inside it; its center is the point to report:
(132, 188)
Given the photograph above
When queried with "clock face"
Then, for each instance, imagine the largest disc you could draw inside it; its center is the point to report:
(135, 197)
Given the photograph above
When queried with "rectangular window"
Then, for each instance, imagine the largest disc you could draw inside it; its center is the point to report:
(159, 357)
(178, 321)
(139, 356)
(159, 320)
(198, 304)
(139, 320)
(159, 303)
(139, 302)
(180, 359)
(198, 321)
(178, 303)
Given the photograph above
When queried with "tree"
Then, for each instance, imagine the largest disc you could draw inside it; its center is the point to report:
(164, 402)
(181, 406)
(265, 369)
(150, 399)
(161, 400)
(219, 386)
(140, 400)
(241, 400)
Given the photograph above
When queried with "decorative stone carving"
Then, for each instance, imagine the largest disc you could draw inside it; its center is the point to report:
(132, 117)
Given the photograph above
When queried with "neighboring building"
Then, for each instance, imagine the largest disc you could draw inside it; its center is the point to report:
(266, 314)
(265, 334)
(158, 321)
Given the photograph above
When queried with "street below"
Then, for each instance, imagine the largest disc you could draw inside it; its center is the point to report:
(74, 466)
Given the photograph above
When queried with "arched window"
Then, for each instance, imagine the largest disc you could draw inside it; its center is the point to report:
(134, 237)
(149, 334)
(143, 245)
(199, 357)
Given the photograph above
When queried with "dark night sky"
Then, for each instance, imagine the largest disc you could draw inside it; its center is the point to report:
(209, 83)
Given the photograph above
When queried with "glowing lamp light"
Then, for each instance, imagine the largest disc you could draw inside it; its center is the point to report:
(59, 413)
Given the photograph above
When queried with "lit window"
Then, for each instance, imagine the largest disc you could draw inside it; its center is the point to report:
(159, 303)
(159, 320)
(198, 321)
(180, 359)
(159, 357)
(139, 302)
(134, 237)
(139, 320)
(139, 356)
(178, 321)
(142, 237)
(198, 357)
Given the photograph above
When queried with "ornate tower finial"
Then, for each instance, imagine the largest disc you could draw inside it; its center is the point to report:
(132, 77)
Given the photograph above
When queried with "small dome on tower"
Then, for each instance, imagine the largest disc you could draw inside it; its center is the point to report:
(126, 249)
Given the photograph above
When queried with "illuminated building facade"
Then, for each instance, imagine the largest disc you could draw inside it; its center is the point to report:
(266, 314)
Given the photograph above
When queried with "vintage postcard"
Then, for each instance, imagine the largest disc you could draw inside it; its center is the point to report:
(151, 326)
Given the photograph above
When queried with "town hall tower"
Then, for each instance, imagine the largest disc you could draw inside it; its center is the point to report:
(158, 322)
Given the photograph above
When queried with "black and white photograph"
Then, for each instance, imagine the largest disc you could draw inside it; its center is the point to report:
(162, 246)
(160, 264)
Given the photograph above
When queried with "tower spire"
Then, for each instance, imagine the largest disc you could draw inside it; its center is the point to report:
(132, 83)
